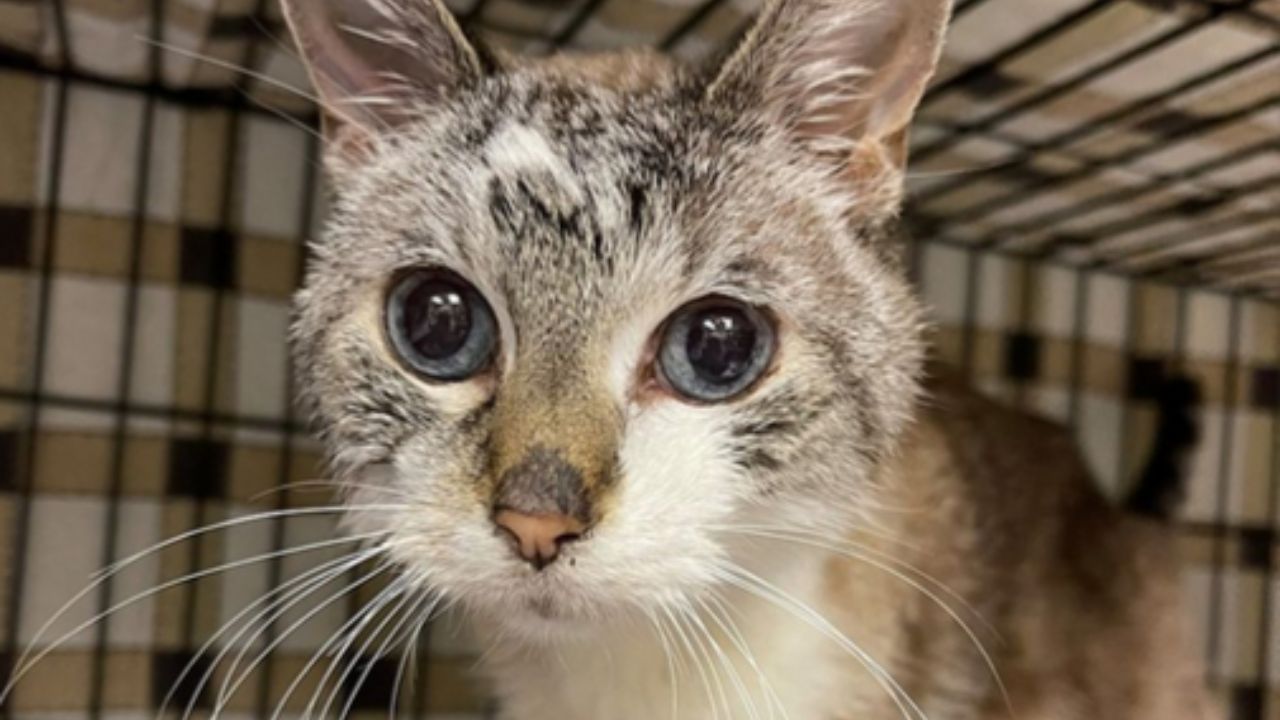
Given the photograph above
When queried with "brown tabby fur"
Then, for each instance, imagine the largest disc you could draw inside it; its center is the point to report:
(836, 527)
(1085, 598)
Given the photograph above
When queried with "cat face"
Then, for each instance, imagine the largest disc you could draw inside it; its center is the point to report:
(572, 320)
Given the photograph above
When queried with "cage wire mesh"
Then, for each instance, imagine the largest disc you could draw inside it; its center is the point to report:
(1093, 205)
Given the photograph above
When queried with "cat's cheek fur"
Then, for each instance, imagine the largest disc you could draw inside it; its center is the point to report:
(442, 536)
(677, 485)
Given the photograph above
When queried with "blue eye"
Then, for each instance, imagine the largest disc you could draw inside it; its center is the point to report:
(440, 325)
(715, 349)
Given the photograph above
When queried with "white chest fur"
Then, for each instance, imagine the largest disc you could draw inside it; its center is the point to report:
(739, 658)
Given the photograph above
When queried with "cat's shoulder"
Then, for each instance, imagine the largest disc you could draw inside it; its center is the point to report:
(1015, 468)
(1025, 475)
(992, 435)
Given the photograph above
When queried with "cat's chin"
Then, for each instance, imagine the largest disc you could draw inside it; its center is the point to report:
(543, 621)
(547, 617)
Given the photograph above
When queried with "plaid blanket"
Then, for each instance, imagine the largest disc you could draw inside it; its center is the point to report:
(1095, 184)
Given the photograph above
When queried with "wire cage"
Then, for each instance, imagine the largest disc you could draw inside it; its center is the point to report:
(1094, 202)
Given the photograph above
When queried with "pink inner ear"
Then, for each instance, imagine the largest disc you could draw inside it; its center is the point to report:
(843, 72)
(880, 62)
(370, 60)
(337, 71)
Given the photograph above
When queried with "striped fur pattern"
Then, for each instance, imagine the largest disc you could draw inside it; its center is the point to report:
(587, 199)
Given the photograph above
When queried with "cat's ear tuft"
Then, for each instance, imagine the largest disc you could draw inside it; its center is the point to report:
(376, 63)
(843, 74)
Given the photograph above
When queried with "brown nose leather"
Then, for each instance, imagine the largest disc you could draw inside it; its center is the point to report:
(538, 537)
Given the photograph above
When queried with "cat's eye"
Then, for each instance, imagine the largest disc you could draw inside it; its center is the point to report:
(440, 325)
(715, 349)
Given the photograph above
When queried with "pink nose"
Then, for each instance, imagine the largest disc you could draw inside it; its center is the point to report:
(537, 538)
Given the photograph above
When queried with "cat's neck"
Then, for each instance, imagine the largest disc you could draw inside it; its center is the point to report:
(733, 656)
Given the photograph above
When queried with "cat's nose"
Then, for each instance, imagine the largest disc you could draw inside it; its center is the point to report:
(538, 538)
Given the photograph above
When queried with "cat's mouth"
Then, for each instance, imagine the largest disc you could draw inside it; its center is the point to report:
(553, 601)
(544, 616)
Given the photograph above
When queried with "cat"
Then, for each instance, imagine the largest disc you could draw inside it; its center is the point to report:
(618, 357)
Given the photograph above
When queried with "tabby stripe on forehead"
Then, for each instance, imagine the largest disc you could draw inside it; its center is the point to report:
(518, 210)
(639, 201)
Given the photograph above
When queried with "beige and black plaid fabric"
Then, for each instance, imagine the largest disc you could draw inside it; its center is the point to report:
(1095, 186)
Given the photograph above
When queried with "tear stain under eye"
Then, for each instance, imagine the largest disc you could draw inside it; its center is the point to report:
(475, 417)
(646, 385)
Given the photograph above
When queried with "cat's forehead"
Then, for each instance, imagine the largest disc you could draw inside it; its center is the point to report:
(540, 159)
(598, 125)
(536, 187)
(576, 206)
(544, 185)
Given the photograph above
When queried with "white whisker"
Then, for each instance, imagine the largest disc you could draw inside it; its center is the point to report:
(25, 665)
(395, 636)
(702, 672)
(857, 553)
(266, 602)
(336, 647)
(225, 65)
(310, 615)
(318, 484)
(735, 678)
(285, 116)
(686, 614)
(719, 613)
(319, 653)
(389, 610)
(388, 38)
(277, 610)
(755, 585)
(314, 98)
(672, 677)
(409, 658)
(835, 545)
(101, 576)
(234, 522)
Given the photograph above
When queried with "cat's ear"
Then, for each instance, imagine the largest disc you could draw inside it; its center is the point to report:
(374, 63)
(845, 75)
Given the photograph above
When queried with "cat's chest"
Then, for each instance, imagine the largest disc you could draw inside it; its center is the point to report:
(737, 665)
(802, 655)
(693, 673)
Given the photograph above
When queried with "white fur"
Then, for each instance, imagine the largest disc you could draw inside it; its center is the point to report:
(622, 673)
(520, 148)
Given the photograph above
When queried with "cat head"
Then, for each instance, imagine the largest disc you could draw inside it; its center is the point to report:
(572, 320)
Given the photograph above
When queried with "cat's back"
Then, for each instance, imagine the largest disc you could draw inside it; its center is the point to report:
(1075, 585)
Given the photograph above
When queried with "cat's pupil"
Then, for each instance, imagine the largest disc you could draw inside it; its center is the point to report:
(437, 319)
(721, 344)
